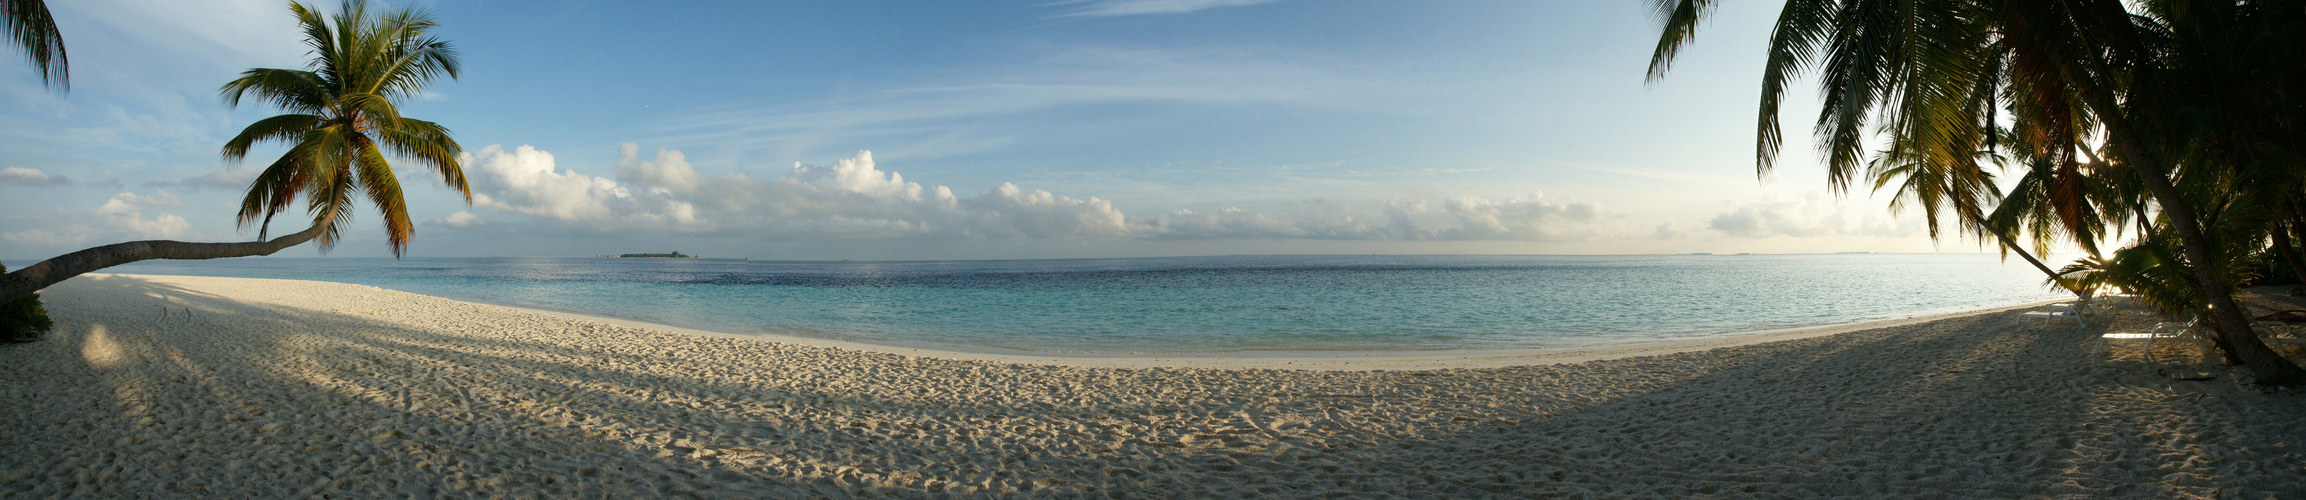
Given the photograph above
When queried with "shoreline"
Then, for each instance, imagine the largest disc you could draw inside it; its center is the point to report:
(250, 388)
(1369, 360)
(1282, 359)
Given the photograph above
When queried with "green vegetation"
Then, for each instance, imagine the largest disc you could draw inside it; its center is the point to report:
(28, 25)
(2179, 122)
(343, 114)
(23, 319)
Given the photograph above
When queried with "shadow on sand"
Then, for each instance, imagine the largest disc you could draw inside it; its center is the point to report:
(150, 386)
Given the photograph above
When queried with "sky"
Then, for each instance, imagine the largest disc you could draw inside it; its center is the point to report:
(903, 130)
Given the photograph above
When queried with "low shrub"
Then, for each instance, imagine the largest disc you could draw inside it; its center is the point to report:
(23, 320)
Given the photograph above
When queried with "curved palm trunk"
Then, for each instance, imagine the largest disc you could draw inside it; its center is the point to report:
(2232, 324)
(2145, 224)
(2297, 224)
(2013, 246)
(34, 277)
(2289, 256)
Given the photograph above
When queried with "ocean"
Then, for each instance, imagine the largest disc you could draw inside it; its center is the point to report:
(1206, 304)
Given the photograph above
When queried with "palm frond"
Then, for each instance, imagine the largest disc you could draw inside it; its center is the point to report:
(293, 90)
(1793, 42)
(375, 179)
(345, 116)
(289, 127)
(1680, 18)
(429, 144)
(29, 24)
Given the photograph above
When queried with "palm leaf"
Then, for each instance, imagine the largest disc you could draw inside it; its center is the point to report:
(29, 25)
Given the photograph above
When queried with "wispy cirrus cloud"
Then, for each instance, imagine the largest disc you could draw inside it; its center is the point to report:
(1111, 8)
(974, 109)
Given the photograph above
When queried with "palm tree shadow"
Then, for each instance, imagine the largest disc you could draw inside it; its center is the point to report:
(388, 399)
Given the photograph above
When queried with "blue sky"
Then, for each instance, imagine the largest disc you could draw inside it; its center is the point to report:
(1091, 128)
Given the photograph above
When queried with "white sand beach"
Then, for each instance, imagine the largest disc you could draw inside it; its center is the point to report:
(170, 386)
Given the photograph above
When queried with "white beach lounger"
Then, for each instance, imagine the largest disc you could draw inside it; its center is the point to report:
(2277, 334)
(2162, 331)
(2047, 318)
(2082, 310)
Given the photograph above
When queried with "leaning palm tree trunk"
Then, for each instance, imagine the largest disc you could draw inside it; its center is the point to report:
(2289, 255)
(2232, 324)
(2008, 243)
(34, 277)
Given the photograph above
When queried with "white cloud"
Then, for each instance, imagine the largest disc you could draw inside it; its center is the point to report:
(1310, 219)
(119, 218)
(20, 176)
(1669, 230)
(460, 219)
(1812, 215)
(1108, 8)
(670, 169)
(854, 199)
(1529, 218)
(1231, 222)
(1008, 211)
(525, 181)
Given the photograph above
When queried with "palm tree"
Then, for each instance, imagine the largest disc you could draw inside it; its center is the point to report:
(1937, 187)
(28, 24)
(342, 119)
(34, 31)
(1936, 73)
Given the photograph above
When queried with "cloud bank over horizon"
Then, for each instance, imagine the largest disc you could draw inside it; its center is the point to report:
(855, 199)
(660, 194)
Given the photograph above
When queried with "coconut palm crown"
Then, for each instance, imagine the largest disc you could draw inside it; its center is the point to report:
(343, 118)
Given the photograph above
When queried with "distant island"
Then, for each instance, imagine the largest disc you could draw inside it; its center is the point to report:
(675, 255)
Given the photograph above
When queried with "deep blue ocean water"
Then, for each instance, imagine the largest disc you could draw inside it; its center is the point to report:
(1199, 304)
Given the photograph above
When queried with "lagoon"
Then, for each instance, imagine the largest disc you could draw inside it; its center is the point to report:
(1208, 304)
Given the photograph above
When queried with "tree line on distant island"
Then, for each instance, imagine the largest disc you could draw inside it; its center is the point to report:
(2177, 122)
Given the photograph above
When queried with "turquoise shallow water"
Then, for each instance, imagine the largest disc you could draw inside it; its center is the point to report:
(1202, 304)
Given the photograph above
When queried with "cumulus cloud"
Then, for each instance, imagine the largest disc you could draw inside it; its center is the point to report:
(1808, 216)
(853, 198)
(20, 176)
(1009, 211)
(460, 219)
(1528, 218)
(1311, 219)
(526, 181)
(120, 217)
(670, 169)
(1669, 230)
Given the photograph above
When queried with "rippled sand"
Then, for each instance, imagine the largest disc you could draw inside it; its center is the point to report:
(219, 387)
